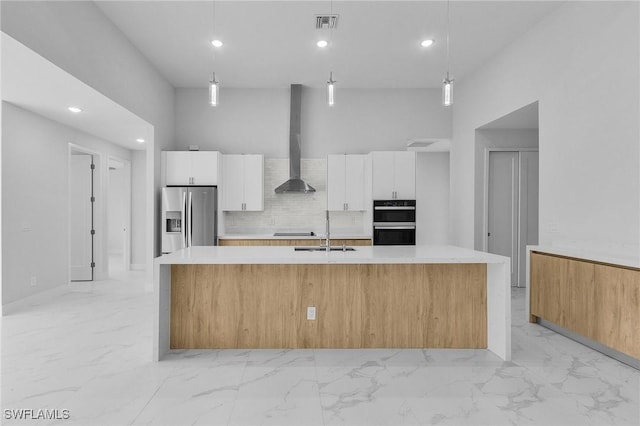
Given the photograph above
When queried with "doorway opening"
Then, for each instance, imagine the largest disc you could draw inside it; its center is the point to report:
(507, 176)
(82, 201)
(119, 217)
(512, 207)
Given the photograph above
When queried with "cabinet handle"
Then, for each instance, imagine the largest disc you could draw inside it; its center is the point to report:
(346, 206)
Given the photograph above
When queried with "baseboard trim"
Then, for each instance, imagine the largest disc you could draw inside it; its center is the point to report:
(610, 352)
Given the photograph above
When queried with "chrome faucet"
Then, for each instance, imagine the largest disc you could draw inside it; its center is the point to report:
(328, 243)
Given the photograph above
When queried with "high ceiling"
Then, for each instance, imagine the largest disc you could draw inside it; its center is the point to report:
(273, 44)
(33, 83)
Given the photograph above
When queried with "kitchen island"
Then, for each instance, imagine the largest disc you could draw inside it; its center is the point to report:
(372, 297)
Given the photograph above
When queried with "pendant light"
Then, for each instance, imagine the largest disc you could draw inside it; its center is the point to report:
(214, 85)
(331, 84)
(214, 91)
(447, 83)
(331, 89)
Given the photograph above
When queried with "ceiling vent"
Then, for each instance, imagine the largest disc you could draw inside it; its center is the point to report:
(326, 22)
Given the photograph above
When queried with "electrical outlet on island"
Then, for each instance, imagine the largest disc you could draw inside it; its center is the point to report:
(311, 313)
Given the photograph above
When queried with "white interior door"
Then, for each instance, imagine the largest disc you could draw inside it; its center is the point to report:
(528, 208)
(80, 217)
(119, 216)
(502, 212)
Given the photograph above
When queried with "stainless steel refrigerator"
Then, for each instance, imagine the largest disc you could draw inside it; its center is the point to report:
(189, 217)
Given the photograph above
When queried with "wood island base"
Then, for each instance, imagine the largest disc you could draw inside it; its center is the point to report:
(357, 306)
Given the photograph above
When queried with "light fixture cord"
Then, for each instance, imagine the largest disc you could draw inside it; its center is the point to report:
(213, 36)
(330, 35)
(448, 54)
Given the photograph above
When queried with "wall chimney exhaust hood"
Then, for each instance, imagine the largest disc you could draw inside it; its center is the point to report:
(295, 184)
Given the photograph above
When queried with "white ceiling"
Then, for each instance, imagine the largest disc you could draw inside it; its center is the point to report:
(523, 118)
(33, 83)
(273, 44)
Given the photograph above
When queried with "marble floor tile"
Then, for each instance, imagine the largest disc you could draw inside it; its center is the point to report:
(86, 347)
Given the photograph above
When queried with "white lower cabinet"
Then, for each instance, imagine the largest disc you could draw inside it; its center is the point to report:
(346, 182)
(242, 182)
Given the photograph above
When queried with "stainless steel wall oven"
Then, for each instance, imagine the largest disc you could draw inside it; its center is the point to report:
(394, 222)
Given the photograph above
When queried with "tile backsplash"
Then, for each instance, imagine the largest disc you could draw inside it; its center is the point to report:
(294, 212)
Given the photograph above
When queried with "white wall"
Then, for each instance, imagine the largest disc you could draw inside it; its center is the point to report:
(295, 212)
(256, 121)
(494, 138)
(582, 64)
(432, 198)
(139, 217)
(77, 37)
(35, 229)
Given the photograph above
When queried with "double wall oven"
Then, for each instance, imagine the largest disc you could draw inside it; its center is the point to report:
(394, 222)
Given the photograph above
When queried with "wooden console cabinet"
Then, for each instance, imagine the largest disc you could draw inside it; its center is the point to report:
(596, 300)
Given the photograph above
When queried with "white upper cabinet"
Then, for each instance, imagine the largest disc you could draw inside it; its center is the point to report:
(204, 167)
(253, 182)
(405, 175)
(345, 182)
(178, 168)
(336, 182)
(242, 182)
(394, 175)
(186, 168)
(232, 180)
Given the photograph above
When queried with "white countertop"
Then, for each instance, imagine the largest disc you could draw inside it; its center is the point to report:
(361, 255)
(292, 237)
(615, 259)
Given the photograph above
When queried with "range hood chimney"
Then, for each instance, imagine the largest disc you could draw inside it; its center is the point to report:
(295, 184)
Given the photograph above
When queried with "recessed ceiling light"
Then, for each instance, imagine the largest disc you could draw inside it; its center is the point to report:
(140, 140)
(74, 109)
(216, 43)
(322, 43)
(426, 43)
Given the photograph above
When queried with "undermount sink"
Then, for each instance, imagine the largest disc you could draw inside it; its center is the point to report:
(317, 248)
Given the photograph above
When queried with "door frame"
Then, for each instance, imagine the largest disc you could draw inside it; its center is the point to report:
(97, 216)
(485, 189)
(126, 255)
